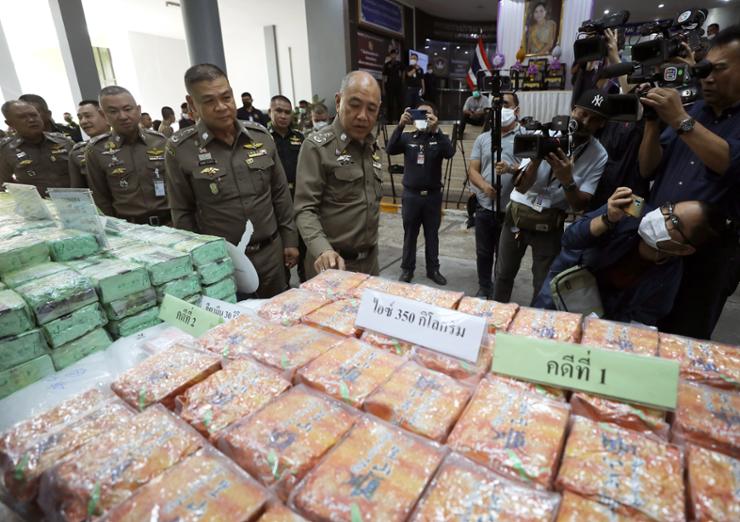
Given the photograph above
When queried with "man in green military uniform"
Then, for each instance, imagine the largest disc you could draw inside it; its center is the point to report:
(338, 191)
(222, 172)
(33, 156)
(93, 122)
(125, 167)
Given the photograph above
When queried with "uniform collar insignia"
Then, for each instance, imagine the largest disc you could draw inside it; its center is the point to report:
(210, 171)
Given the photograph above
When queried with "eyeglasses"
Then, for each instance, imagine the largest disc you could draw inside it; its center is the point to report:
(667, 210)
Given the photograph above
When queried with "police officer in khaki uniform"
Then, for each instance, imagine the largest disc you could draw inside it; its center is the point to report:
(338, 190)
(222, 172)
(125, 167)
(33, 156)
(93, 122)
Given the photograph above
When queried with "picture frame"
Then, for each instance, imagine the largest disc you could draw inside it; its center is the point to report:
(543, 22)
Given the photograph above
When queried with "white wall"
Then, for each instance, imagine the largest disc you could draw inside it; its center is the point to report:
(325, 20)
(724, 16)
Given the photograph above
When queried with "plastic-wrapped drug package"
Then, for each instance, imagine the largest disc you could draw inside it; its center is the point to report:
(28, 273)
(66, 244)
(385, 286)
(180, 288)
(131, 304)
(15, 317)
(549, 392)
(630, 416)
(134, 323)
(435, 296)
(384, 342)
(215, 271)
(514, 432)
(163, 264)
(575, 508)
(56, 295)
(498, 315)
(708, 417)
(22, 251)
(13, 379)
(238, 337)
(240, 389)
(547, 324)
(163, 376)
(203, 249)
(67, 354)
(337, 317)
(279, 444)
(107, 470)
(205, 486)
(289, 307)
(464, 490)
(376, 472)
(610, 335)
(334, 284)
(222, 289)
(705, 362)
(288, 349)
(74, 325)
(631, 473)
(350, 371)
(23, 472)
(115, 279)
(460, 369)
(20, 348)
(277, 512)
(713, 485)
(419, 400)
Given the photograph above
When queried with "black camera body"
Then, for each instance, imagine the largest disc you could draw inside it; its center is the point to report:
(591, 43)
(538, 146)
(670, 36)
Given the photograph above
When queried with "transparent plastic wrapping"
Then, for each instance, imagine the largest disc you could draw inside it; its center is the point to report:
(419, 400)
(131, 304)
(107, 470)
(279, 444)
(31, 272)
(277, 512)
(713, 485)
(384, 342)
(334, 284)
(58, 294)
(241, 388)
(238, 337)
(134, 323)
(22, 251)
(549, 392)
(204, 486)
(706, 362)
(288, 349)
(498, 315)
(215, 271)
(630, 416)
(68, 244)
(514, 432)
(18, 377)
(337, 317)
(15, 317)
(436, 296)
(163, 264)
(459, 369)
(708, 417)
(575, 508)
(115, 279)
(350, 371)
(74, 325)
(23, 474)
(169, 336)
(464, 490)
(384, 285)
(20, 348)
(163, 376)
(622, 337)
(180, 288)
(377, 472)
(223, 289)
(290, 307)
(95, 341)
(547, 324)
(624, 469)
(203, 249)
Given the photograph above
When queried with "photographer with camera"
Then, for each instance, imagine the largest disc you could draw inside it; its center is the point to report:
(544, 192)
(698, 158)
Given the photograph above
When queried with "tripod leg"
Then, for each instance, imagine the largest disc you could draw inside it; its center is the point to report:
(466, 182)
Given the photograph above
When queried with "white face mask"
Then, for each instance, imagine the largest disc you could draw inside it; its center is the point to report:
(420, 124)
(412, 62)
(508, 116)
(653, 228)
(318, 125)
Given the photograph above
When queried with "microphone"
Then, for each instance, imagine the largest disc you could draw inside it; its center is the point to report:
(619, 69)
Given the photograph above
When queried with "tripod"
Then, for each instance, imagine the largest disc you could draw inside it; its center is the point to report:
(381, 129)
(457, 145)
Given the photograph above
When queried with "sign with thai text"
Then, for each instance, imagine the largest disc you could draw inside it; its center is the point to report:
(187, 317)
(224, 310)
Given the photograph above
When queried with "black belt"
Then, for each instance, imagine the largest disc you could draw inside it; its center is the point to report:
(256, 246)
(425, 192)
(154, 220)
(355, 255)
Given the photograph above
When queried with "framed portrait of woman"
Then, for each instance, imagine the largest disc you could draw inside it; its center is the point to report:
(542, 21)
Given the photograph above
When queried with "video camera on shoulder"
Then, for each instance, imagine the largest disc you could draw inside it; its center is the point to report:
(669, 37)
(591, 43)
(540, 143)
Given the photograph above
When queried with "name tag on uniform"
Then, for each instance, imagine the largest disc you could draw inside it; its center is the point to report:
(204, 157)
(20, 155)
(159, 191)
(257, 153)
(377, 165)
(156, 158)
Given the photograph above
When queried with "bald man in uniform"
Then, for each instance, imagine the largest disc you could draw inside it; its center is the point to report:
(338, 191)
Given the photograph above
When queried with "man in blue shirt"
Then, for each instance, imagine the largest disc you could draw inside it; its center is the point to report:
(698, 158)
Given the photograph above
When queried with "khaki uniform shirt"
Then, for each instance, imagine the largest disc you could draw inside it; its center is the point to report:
(77, 167)
(127, 179)
(44, 165)
(215, 188)
(338, 192)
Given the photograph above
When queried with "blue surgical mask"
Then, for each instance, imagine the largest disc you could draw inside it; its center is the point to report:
(476, 94)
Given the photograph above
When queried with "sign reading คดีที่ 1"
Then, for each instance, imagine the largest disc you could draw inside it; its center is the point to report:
(187, 317)
(446, 331)
(651, 381)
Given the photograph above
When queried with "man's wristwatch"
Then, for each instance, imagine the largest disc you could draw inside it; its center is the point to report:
(609, 224)
(570, 187)
(685, 126)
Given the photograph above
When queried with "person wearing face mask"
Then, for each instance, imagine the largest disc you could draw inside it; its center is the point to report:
(423, 150)
(185, 119)
(637, 263)
(474, 109)
(319, 118)
(414, 82)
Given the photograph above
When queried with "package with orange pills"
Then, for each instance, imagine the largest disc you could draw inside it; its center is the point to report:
(548, 392)
(277, 512)
(634, 474)
(204, 486)
(547, 324)
(420, 400)
(705, 362)
(389, 344)
(708, 417)
(498, 316)
(610, 335)
(385, 286)
(334, 284)
(575, 508)
(240, 389)
(238, 337)
(464, 490)
(460, 369)
(279, 444)
(337, 317)
(630, 416)
(436, 296)
(377, 472)
(164, 376)
(290, 307)
(514, 432)
(713, 484)
(350, 371)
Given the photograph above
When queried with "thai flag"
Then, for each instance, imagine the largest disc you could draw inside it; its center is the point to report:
(480, 62)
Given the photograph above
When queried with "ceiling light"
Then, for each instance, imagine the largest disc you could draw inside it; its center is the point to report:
(606, 11)
(444, 48)
(661, 6)
(426, 47)
(458, 47)
(427, 39)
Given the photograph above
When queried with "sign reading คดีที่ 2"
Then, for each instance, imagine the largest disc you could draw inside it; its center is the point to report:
(443, 330)
(187, 317)
(651, 381)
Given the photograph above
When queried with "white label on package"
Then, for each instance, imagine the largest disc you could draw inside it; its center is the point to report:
(77, 210)
(443, 330)
(226, 311)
